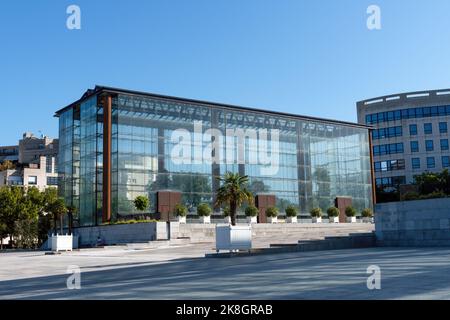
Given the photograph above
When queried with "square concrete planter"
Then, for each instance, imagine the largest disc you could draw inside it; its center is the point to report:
(205, 219)
(252, 219)
(367, 220)
(291, 219)
(333, 219)
(233, 238)
(272, 219)
(181, 219)
(61, 243)
(227, 220)
(351, 219)
(316, 220)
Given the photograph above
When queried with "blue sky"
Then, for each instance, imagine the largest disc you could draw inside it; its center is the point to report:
(307, 57)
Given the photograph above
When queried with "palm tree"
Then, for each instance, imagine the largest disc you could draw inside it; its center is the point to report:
(58, 209)
(233, 192)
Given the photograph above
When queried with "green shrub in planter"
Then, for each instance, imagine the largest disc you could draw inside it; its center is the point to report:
(272, 212)
(226, 211)
(251, 211)
(409, 196)
(316, 213)
(180, 210)
(141, 203)
(333, 212)
(291, 211)
(350, 211)
(204, 210)
(367, 213)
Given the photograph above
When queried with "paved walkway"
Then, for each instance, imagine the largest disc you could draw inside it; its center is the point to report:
(183, 273)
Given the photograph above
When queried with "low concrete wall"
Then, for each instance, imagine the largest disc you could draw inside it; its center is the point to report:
(125, 233)
(300, 231)
(413, 223)
(197, 233)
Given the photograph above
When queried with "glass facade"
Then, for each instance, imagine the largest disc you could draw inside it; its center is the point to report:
(159, 143)
(410, 113)
(389, 165)
(385, 149)
(384, 133)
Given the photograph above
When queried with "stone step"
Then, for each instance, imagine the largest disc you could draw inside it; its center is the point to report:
(332, 243)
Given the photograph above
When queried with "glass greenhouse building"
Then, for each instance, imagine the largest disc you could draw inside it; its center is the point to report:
(118, 144)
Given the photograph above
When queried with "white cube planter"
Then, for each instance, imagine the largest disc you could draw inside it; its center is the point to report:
(272, 219)
(205, 219)
(351, 219)
(227, 220)
(61, 243)
(316, 219)
(181, 219)
(291, 219)
(367, 219)
(233, 237)
(333, 219)
(252, 220)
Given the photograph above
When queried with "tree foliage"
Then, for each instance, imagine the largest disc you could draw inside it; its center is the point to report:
(7, 165)
(141, 203)
(233, 192)
(204, 210)
(429, 182)
(25, 214)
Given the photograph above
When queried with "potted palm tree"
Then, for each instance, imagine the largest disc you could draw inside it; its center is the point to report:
(316, 215)
(291, 214)
(272, 215)
(181, 213)
(333, 215)
(251, 212)
(204, 212)
(350, 212)
(367, 215)
(60, 242)
(233, 193)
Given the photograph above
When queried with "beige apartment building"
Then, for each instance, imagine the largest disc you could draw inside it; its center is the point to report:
(36, 165)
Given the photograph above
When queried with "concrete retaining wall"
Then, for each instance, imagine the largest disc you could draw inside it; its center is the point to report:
(125, 233)
(196, 232)
(299, 231)
(413, 223)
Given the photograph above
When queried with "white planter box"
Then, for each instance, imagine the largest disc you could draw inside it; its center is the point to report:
(252, 219)
(181, 219)
(333, 219)
(367, 220)
(233, 237)
(291, 219)
(61, 243)
(351, 219)
(272, 220)
(205, 220)
(227, 220)
(316, 219)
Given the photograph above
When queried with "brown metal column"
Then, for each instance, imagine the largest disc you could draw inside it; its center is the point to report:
(372, 169)
(107, 125)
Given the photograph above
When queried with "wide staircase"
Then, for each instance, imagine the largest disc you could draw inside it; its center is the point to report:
(351, 241)
(263, 235)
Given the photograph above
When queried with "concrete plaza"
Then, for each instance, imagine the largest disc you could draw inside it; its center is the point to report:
(183, 273)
